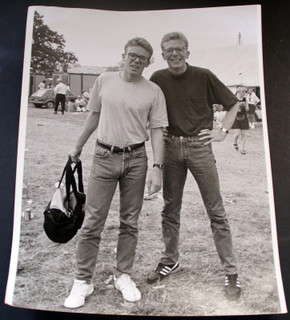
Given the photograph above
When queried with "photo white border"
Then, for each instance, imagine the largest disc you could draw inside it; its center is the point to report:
(21, 152)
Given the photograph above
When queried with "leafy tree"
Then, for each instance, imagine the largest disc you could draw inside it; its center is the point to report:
(48, 53)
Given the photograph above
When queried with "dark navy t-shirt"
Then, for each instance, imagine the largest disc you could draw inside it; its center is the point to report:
(190, 97)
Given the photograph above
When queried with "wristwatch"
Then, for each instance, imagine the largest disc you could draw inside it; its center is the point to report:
(159, 166)
(224, 130)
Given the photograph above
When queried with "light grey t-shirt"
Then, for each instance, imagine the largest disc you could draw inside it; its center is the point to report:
(127, 109)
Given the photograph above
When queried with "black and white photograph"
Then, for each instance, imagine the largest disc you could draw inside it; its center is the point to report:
(144, 181)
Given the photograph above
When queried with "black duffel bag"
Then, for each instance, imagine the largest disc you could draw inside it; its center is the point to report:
(64, 214)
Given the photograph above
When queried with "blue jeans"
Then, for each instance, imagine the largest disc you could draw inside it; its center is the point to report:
(109, 169)
(181, 155)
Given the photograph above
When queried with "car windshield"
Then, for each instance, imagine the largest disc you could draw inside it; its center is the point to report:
(40, 92)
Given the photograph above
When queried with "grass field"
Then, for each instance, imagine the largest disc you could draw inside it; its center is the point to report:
(46, 270)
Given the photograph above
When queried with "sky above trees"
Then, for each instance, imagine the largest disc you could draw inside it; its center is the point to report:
(97, 37)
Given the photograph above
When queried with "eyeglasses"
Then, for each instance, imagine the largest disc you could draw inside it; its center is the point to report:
(179, 50)
(134, 56)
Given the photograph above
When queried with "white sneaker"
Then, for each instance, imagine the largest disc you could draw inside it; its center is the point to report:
(127, 287)
(78, 294)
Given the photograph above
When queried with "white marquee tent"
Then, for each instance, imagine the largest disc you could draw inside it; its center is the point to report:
(236, 65)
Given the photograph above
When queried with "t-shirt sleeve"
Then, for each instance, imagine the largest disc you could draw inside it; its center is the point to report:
(158, 113)
(222, 94)
(94, 103)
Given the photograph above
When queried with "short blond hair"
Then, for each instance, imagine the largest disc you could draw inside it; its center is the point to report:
(140, 42)
(242, 88)
(174, 36)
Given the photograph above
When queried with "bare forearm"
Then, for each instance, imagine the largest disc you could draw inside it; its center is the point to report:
(230, 116)
(90, 126)
(157, 145)
(154, 181)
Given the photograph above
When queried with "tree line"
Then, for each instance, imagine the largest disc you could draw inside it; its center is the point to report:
(48, 50)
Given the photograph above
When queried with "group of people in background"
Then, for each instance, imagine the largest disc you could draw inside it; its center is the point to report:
(74, 105)
(246, 117)
(45, 84)
(79, 104)
(61, 90)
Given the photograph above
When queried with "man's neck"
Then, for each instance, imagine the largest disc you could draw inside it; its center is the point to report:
(130, 77)
(178, 71)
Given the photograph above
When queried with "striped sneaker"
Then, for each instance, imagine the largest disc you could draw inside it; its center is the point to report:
(232, 287)
(161, 272)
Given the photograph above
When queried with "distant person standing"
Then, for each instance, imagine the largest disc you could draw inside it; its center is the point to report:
(241, 122)
(253, 100)
(41, 85)
(219, 115)
(60, 91)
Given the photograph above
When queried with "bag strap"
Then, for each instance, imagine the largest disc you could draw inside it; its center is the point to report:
(69, 162)
(70, 179)
(79, 169)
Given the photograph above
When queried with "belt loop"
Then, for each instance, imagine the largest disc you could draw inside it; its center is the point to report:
(112, 149)
(129, 148)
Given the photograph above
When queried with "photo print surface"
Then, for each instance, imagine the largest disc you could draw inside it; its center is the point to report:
(77, 46)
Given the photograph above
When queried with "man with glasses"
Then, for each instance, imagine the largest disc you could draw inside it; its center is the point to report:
(121, 106)
(190, 93)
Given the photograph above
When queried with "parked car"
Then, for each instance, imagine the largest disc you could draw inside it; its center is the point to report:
(46, 98)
